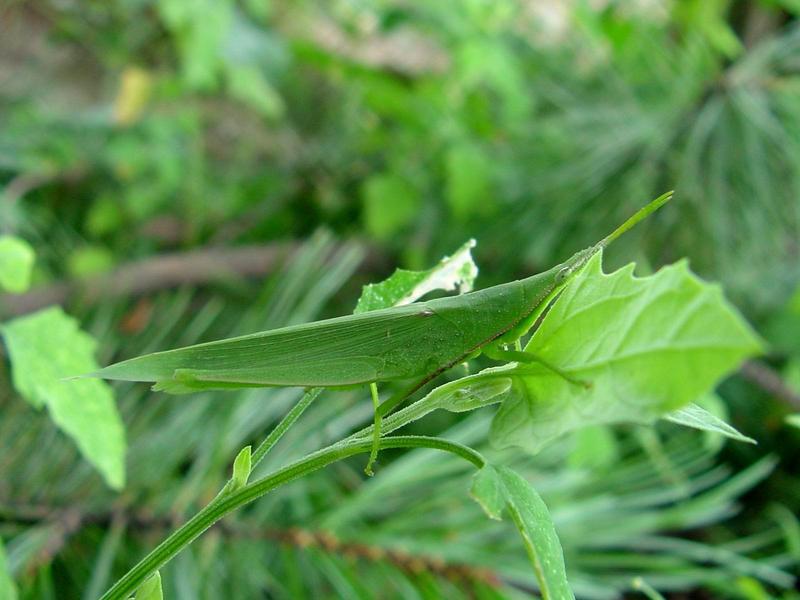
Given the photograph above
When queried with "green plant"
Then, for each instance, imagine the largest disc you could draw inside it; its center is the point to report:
(637, 374)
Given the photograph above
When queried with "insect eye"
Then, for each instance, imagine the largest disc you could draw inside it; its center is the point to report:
(563, 274)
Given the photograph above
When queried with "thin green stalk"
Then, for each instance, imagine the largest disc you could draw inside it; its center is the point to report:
(277, 433)
(641, 585)
(222, 506)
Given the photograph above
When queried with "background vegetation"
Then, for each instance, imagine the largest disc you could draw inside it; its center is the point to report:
(188, 170)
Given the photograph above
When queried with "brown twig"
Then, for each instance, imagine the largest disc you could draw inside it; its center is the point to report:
(161, 272)
(770, 381)
(195, 267)
(69, 522)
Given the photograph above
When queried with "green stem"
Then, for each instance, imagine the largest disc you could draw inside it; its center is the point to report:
(222, 506)
(277, 433)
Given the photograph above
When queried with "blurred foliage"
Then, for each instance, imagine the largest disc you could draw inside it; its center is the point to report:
(131, 128)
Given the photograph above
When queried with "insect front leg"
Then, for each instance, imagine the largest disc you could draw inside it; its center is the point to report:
(529, 357)
(376, 430)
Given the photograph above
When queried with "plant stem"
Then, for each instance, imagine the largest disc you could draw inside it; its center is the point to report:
(222, 506)
(277, 433)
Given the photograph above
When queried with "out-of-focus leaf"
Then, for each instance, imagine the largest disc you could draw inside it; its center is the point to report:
(390, 203)
(8, 591)
(200, 29)
(794, 420)
(697, 417)
(133, 94)
(89, 260)
(501, 488)
(468, 190)
(782, 330)
(151, 589)
(403, 287)
(48, 346)
(16, 262)
(248, 84)
(642, 347)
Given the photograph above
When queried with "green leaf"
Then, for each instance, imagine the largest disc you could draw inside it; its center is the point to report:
(241, 469)
(646, 346)
(16, 263)
(403, 287)
(151, 589)
(468, 190)
(48, 346)
(697, 417)
(89, 261)
(794, 420)
(466, 394)
(390, 204)
(8, 591)
(501, 488)
(248, 84)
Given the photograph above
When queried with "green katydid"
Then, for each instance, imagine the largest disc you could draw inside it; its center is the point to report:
(418, 341)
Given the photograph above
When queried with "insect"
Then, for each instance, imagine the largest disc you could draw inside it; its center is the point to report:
(415, 342)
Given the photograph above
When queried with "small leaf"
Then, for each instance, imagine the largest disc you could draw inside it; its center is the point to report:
(403, 287)
(467, 393)
(498, 488)
(44, 348)
(648, 346)
(132, 96)
(16, 263)
(8, 591)
(151, 589)
(697, 417)
(89, 261)
(241, 469)
(794, 420)
(390, 204)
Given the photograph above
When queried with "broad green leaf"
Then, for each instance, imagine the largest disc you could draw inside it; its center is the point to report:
(48, 346)
(8, 591)
(794, 420)
(16, 263)
(501, 488)
(644, 347)
(403, 287)
(390, 203)
(150, 589)
(697, 417)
